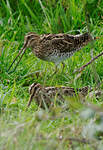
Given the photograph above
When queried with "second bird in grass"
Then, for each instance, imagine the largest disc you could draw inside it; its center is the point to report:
(47, 96)
(53, 47)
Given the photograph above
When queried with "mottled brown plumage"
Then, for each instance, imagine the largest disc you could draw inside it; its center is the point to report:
(45, 96)
(53, 47)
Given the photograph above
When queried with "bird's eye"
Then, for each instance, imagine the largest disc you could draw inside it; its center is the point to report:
(27, 38)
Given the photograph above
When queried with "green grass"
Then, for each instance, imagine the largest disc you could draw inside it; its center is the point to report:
(35, 129)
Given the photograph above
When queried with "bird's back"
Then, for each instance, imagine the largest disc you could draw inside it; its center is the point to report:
(58, 47)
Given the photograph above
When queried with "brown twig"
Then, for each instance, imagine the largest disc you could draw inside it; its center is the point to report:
(84, 141)
(87, 18)
(93, 59)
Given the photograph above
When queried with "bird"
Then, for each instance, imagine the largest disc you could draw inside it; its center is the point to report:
(45, 96)
(53, 47)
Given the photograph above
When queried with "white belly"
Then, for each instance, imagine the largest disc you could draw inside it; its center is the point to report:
(57, 58)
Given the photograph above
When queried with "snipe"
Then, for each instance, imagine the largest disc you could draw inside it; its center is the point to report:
(46, 96)
(53, 47)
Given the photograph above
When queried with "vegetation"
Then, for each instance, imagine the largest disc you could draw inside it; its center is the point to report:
(33, 128)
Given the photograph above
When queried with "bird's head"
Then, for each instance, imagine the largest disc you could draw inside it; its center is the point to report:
(34, 88)
(31, 39)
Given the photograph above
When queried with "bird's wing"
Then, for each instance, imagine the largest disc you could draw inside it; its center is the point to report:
(65, 42)
(61, 42)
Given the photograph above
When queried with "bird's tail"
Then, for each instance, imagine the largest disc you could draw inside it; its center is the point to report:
(83, 39)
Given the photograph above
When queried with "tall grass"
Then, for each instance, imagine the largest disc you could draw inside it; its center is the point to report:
(30, 129)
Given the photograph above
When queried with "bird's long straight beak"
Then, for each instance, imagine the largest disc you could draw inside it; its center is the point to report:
(21, 51)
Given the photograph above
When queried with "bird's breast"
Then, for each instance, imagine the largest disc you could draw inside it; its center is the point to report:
(40, 53)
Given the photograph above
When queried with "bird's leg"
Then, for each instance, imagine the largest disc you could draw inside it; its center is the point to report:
(55, 71)
(56, 68)
(63, 66)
